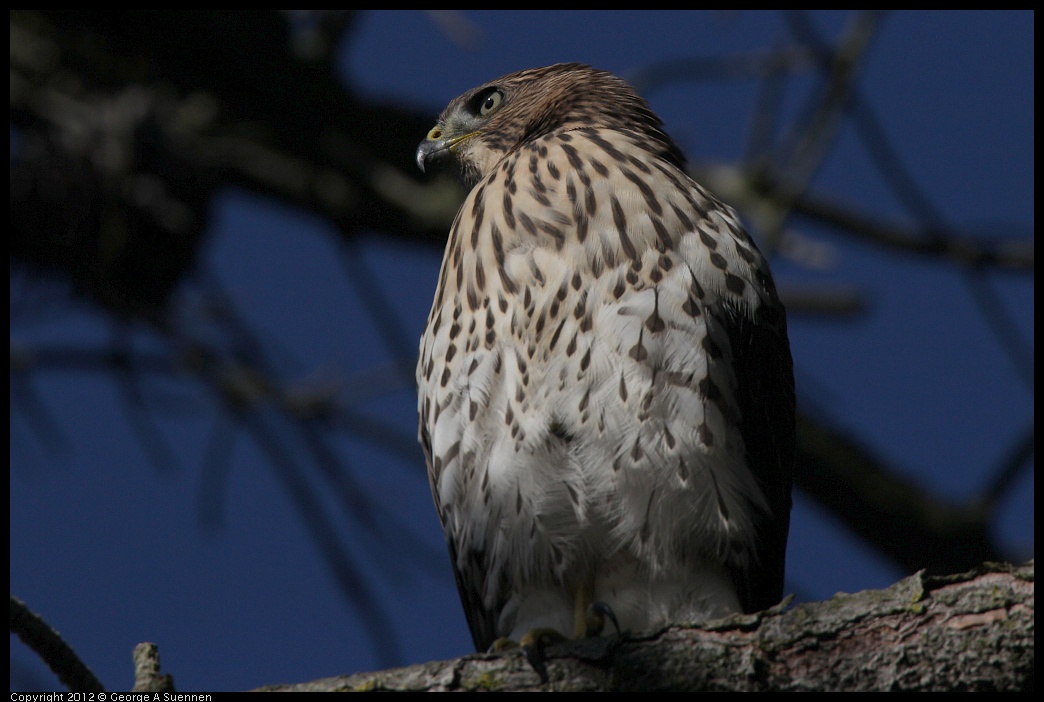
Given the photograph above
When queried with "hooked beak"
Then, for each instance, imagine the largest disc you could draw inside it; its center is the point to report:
(437, 146)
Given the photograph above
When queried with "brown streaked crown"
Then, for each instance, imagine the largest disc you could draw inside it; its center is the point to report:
(479, 127)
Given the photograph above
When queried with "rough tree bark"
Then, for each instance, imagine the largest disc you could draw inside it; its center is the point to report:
(971, 631)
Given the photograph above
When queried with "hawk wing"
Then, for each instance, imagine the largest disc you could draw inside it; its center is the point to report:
(764, 370)
(471, 578)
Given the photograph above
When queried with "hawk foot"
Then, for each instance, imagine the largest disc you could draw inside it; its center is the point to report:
(536, 640)
(533, 644)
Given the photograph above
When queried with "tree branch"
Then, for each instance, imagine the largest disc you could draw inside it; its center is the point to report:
(972, 631)
(52, 649)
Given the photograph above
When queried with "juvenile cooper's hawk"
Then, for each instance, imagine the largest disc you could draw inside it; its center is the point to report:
(606, 389)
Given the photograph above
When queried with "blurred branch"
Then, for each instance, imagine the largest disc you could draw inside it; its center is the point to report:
(913, 196)
(380, 309)
(316, 34)
(802, 151)
(126, 132)
(785, 60)
(38, 417)
(360, 594)
(250, 395)
(136, 412)
(834, 469)
(754, 191)
(457, 27)
(1017, 460)
(901, 519)
(121, 124)
(823, 302)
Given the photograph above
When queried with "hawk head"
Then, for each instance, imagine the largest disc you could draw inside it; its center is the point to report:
(484, 124)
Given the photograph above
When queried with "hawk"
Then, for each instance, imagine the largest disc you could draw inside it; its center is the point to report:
(606, 391)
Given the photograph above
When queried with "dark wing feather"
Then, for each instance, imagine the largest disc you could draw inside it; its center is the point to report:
(765, 374)
(471, 583)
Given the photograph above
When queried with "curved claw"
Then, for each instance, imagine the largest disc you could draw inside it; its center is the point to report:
(597, 613)
(533, 644)
(535, 656)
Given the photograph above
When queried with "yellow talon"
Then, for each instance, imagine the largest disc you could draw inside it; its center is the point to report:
(503, 644)
(539, 638)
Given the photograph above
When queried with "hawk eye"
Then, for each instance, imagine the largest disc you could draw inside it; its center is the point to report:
(490, 102)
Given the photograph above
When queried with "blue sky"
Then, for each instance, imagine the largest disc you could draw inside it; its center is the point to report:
(113, 551)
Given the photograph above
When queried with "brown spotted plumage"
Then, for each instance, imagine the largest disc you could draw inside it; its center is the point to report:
(606, 390)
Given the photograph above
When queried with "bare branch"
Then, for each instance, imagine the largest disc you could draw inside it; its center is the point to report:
(972, 631)
(52, 649)
(147, 676)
